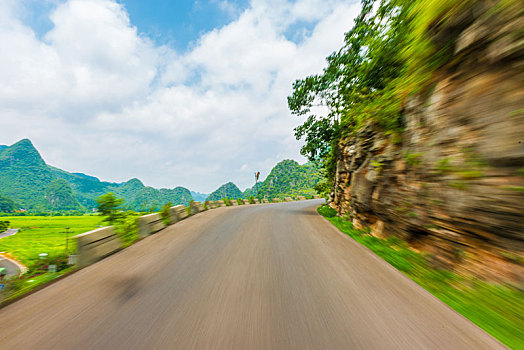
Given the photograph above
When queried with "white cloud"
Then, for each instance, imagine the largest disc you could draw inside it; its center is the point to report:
(96, 97)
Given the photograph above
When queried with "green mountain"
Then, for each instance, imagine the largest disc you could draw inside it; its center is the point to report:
(289, 179)
(229, 190)
(28, 180)
(149, 198)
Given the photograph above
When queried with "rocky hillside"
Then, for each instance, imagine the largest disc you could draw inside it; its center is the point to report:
(452, 183)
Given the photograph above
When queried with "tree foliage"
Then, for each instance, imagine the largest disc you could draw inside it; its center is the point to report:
(4, 225)
(357, 84)
(165, 213)
(7, 205)
(109, 206)
(389, 54)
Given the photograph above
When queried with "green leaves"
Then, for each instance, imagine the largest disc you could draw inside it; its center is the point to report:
(109, 206)
(358, 83)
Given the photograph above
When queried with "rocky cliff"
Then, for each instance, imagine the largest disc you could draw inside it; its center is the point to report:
(452, 184)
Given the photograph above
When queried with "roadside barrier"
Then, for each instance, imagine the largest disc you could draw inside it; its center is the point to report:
(177, 213)
(97, 244)
(219, 204)
(149, 224)
(265, 200)
(210, 204)
(196, 207)
(288, 199)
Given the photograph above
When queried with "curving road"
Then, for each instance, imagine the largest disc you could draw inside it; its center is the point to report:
(11, 269)
(9, 232)
(256, 277)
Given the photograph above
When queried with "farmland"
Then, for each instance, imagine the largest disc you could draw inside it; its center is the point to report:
(40, 234)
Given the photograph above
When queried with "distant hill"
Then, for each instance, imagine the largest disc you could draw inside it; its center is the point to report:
(288, 179)
(149, 198)
(228, 190)
(199, 197)
(27, 180)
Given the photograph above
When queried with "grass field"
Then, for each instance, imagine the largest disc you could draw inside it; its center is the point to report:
(40, 234)
(498, 309)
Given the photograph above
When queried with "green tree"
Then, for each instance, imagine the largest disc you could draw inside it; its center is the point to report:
(4, 225)
(7, 205)
(109, 207)
(362, 82)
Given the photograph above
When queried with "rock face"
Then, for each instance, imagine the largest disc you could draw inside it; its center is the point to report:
(452, 184)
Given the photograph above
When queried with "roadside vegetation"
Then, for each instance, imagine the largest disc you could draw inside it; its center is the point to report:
(44, 243)
(498, 309)
(37, 235)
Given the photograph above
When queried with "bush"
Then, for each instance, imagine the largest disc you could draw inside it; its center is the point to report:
(127, 229)
(4, 225)
(164, 213)
(327, 211)
(41, 266)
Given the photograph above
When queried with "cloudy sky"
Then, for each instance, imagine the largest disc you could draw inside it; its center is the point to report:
(176, 93)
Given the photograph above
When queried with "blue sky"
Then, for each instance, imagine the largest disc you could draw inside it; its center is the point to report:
(178, 23)
(176, 93)
(174, 23)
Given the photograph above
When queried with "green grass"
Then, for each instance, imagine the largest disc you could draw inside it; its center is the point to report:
(498, 309)
(44, 235)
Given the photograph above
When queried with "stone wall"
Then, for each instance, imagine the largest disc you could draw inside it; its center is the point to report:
(452, 184)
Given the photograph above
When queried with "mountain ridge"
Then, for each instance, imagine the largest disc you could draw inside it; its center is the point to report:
(287, 179)
(26, 179)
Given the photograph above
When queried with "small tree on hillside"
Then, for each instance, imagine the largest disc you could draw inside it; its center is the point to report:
(109, 206)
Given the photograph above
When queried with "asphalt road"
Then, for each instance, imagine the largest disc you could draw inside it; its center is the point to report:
(257, 277)
(9, 232)
(10, 268)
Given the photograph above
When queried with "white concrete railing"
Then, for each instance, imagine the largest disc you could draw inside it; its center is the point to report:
(149, 224)
(97, 244)
(196, 207)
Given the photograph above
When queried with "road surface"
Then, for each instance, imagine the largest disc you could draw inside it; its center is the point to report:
(274, 276)
(9, 232)
(10, 268)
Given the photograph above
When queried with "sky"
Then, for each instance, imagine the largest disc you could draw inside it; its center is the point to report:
(175, 93)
